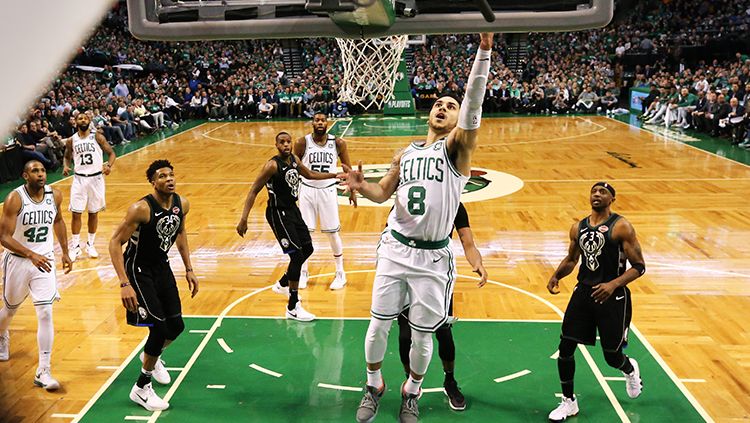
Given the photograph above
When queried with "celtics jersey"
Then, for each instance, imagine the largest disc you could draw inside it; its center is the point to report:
(603, 258)
(34, 221)
(320, 158)
(428, 193)
(87, 154)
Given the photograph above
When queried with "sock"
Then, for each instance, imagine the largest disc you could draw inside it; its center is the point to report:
(284, 281)
(449, 377)
(566, 369)
(412, 385)
(76, 239)
(303, 270)
(91, 239)
(374, 378)
(627, 366)
(144, 378)
(339, 263)
(293, 299)
(45, 334)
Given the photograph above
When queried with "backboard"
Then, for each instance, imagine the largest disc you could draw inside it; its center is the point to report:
(258, 19)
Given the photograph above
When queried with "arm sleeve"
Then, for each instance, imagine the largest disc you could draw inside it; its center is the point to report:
(462, 218)
(470, 116)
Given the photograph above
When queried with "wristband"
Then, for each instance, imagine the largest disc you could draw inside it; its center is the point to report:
(124, 284)
(188, 269)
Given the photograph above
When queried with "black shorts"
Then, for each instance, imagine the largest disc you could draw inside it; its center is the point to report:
(156, 291)
(584, 316)
(289, 228)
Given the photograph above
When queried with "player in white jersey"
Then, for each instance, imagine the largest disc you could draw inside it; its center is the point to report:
(414, 257)
(84, 149)
(320, 151)
(30, 214)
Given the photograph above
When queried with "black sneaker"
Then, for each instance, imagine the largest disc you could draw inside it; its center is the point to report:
(456, 399)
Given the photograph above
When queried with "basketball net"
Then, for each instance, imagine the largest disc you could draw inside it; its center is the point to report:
(370, 66)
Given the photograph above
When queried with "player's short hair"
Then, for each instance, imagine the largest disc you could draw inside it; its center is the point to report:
(451, 95)
(156, 165)
(282, 133)
(320, 112)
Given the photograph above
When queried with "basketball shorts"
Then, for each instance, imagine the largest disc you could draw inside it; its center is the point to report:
(289, 228)
(87, 194)
(156, 292)
(21, 278)
(319, 204)
(419, 278)
(612, 318)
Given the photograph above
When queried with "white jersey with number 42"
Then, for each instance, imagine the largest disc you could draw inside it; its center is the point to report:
(87, 154)
(34, 223)
(428, 193)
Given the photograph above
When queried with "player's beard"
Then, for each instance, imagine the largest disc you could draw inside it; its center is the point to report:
(320, 132)
(83, 128)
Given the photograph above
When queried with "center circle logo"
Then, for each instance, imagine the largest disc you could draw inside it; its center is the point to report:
(484, 184)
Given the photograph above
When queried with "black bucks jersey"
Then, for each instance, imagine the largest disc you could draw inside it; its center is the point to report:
(283, 186)
(602, 258)
(151, 241)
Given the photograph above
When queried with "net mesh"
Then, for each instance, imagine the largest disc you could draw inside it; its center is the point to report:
(370, 66)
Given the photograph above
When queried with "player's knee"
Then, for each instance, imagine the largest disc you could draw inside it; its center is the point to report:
(307, 251)
(175, 326)
(566, 349)
(43, 312)
(157, 334)
(421, 343)
(378, 330)
(614, 358)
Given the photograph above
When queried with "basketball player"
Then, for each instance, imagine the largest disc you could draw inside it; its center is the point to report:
(317, 199)
(414, 255)
(601, 299)
(147, 286)
(280, 175)
(85, 149)
(444, 334)
(30, 214)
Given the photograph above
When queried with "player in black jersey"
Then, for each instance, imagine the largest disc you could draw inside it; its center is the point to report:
(444, 334)
(148, 288)
(280, 176)
(601, 299)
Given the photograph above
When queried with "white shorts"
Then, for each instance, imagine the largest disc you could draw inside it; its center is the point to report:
(319, 203)
(421, 279)
(87, 194)
(20, 278)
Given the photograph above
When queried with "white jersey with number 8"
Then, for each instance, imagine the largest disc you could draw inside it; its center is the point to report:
(428, 193)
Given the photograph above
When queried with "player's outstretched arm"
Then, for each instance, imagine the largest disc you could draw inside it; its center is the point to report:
(265, 175)
(184, 249)
(137, 214)
(379, 192)
(462, 141)
(61, 232)
(568, 264)
(343, 150)
(473, 256)
(11, 208)
(625, 233)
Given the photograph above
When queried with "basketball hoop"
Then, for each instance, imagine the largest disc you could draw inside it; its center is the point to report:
(370, 66)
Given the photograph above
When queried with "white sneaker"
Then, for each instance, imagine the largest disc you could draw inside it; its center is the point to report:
(91, 251)
(633, 383)
(147, 398)
(281, 290)
(568, 407)
(299, 313)
(160, 373)
(339, 281)
(44, 379)
(74, 253)
(303, 276)
(5, 346)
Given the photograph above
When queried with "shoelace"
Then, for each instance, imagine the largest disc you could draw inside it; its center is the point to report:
(410, 406)
(368, 401)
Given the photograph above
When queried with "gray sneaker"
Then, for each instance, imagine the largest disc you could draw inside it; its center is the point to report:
(409, 409)
(4, 346)
(368, 407)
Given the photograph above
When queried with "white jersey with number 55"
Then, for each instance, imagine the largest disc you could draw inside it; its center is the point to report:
(87, 154)
(428, 193)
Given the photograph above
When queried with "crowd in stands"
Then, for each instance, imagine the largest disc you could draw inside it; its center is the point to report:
(134, 87)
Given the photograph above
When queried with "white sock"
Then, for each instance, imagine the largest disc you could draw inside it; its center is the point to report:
(412, 385)
(374, 378)
(92, 238)
(338, 250)
(339, 263)
(76, 238)
(45, 334)
(304, 267)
